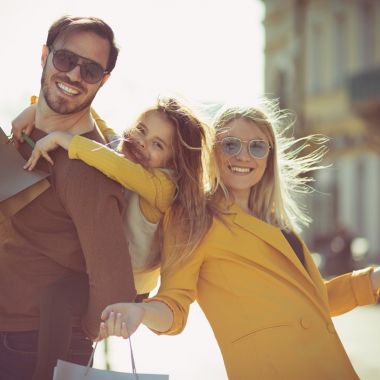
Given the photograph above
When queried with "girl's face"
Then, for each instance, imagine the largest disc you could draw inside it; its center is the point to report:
(153, 137)
(239, 170)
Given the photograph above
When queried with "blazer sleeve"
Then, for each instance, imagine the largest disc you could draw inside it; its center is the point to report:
(155, 188)
(178, 287)
(350, 290)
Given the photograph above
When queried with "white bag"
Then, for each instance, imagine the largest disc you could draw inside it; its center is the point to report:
(71, 371)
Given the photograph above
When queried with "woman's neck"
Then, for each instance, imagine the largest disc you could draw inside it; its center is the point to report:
(242, 200)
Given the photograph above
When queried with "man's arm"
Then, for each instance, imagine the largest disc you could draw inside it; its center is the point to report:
(95, 205)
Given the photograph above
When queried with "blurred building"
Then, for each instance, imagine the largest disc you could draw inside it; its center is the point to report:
(322, 60)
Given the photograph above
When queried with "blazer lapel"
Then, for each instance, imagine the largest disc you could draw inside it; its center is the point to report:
(274, 237)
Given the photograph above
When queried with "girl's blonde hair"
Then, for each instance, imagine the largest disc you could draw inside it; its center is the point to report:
(273, 198)
(191, 146)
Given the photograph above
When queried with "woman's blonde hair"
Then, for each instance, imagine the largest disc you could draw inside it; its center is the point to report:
(273, 198)
(191, 147)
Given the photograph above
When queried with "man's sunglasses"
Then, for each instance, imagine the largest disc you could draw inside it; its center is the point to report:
(65, 61)
(232, 146)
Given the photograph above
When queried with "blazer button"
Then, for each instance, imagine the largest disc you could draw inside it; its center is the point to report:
(331, 328)
(305, 323)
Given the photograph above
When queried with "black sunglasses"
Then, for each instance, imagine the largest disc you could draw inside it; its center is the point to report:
(257, 148)
(65, 61)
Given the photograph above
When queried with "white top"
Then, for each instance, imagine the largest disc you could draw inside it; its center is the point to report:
(143, 245)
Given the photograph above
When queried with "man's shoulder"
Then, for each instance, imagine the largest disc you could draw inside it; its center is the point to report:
(75, 173)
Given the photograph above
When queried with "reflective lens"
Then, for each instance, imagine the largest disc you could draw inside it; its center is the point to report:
(257, 148)
(65, 61)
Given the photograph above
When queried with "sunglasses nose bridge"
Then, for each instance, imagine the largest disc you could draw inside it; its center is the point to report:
(75, 73)
(243, 153)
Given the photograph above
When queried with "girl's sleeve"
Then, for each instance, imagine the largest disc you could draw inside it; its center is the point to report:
(178, 287)
(155, 188)
(350, 290)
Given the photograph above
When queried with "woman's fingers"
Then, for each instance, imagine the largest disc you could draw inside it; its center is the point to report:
(117, 326)
(110, 324)
(124, 330)
(103, 334)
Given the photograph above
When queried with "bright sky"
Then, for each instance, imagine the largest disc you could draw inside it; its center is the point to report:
(204, 50)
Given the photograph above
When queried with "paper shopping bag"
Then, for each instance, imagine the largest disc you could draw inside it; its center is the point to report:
(70, 371)
(18, 187)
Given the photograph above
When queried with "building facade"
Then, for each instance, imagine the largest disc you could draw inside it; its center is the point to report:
(322, 60)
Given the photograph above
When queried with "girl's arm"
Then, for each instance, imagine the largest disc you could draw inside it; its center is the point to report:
(106, 131)
(156, 189)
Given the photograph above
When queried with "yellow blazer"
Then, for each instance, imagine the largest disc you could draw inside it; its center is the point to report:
(270, 316)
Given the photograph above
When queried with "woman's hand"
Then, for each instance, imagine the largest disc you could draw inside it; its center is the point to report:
(121, 319)
(50, 142)
(24, 123)
(375, 278)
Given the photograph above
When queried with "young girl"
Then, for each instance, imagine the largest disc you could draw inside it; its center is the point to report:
(252, 275)
(159, 162)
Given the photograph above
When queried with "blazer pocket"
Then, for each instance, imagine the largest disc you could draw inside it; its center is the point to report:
(261, 329)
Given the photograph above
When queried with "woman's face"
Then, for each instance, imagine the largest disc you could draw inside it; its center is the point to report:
(153, 137)
(241, 171)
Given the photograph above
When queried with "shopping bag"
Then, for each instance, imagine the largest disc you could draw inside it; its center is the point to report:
(18, 187)
(70, 371)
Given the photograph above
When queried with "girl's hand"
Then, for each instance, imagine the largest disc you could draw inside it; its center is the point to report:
(121, 319)
(50, 142)
(42, 147)
(24, 123)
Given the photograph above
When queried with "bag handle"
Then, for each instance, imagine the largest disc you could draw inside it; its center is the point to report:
(134, 372)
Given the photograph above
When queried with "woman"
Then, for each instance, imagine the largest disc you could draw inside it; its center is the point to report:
(251, 274)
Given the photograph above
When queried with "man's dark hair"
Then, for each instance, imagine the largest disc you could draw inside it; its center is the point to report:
(67, 24)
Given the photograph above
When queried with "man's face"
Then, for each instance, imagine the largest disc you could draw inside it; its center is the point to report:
(67, 92)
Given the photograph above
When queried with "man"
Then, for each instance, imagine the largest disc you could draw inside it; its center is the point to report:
(74, 226)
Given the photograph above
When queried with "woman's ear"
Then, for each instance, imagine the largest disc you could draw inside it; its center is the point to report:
(44, 55)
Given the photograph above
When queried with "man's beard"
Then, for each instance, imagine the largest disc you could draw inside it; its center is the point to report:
(59, 104)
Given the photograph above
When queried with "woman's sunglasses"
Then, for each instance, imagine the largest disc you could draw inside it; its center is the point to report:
(65, 61)
(258, 149)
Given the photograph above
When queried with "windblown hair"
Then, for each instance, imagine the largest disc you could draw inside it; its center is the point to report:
(273, 198)
(70, 24)
(191, 146)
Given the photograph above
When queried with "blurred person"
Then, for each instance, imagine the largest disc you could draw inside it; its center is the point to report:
(76, 225)
(252, 275)
(159, 161)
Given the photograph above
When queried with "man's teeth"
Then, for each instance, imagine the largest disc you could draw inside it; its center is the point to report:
(66, 89)
(240, 169)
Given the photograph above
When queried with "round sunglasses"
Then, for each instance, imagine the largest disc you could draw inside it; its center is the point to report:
(65, 61)
(258, 149)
